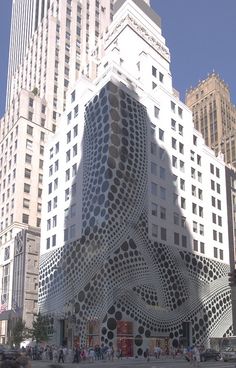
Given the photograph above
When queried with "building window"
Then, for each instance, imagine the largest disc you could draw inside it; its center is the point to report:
(215, 252)
(221, 254)
(202, 247)
(212, 169)
(54, 239)
(26, 203)
(156, 112)
(67, 194)
(172, 105)
(174, 143)
(176, 238)
(154, 189)
(26, 188)
(183, 203)
(161, 77)
(153, 168)
(67, 174)
(163, 233)
(161, 134)
(154, 230)
(154, 71)
(27, 173)
(163, 213)
(195, 245)
(162, 193)
(48, 243)
(173, 124)
(184, 241)
(194, 226)
(29, 130)
(154, 209)
(176, 218)
(25, 218)
(214, 235)
(28, 158)
(162, 173)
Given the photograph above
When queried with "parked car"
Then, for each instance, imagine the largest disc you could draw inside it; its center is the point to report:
(229, 354)
(210, 354)
(8, 352)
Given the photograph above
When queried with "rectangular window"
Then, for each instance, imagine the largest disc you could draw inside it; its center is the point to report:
(48, 243)
(163, 233)
(182, 184)
(161, 135)
(154, 71)
(202, 247)
(29, 144)
(184, 241)
(153, 168)
(67, 194)
(174, 143)
(156, 112)
(195, 245)
(201, 229)
(153, 148)
(215, 252)
(26, 203)
(68, 156)
(162, 173)
(221, 254)
(154, 230)
(162, 193)
(75, 150)
(174, 161)
(161, 77)
(194, 226)
(154, 209)
(154, 189)
(212, 169)
(163, 213)
(29, 130)
(28, 158)
(176, 218)
(74, 170)
(173, 124)
(215, 235)
(67, 174)
(220, 237)
(54, 239)
(26, 188)
(172, 105)
(183, 203)
(27, 173)
(25, 218)
(176, 238)
(181, 129)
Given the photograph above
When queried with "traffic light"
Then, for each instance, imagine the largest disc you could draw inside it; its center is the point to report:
(232, 278)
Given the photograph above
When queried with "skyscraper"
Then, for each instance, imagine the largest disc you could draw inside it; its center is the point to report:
(214, 115)
(53, 40)
(134, 245)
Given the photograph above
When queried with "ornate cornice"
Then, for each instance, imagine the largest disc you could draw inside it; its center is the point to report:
(142, 31)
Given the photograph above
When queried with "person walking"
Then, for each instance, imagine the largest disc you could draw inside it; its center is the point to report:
(61, 355)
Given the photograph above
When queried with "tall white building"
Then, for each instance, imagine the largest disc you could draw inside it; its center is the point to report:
(25, 19)
(53, 42)
(134, 243)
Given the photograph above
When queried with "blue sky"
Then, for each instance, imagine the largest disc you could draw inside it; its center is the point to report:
(200, 35)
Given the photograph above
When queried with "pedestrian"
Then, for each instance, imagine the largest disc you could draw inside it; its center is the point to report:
(61, 355)
(147, 355)
(196, 356)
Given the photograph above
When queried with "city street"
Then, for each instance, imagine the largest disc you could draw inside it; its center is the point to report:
(137, 363)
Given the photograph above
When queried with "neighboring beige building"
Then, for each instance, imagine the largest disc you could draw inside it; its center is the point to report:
(214, 115)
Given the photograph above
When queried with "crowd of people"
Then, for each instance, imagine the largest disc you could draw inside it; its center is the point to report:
(63, 354)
